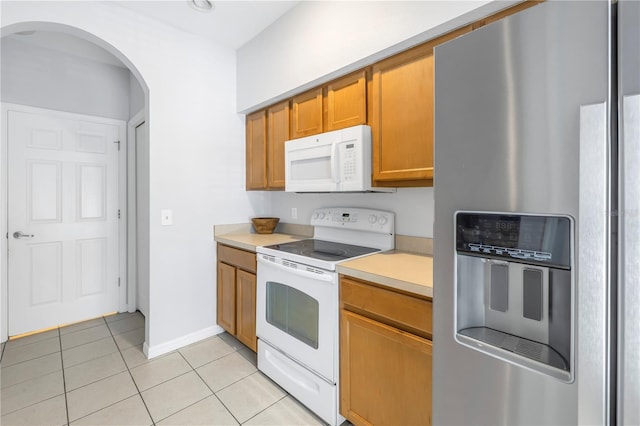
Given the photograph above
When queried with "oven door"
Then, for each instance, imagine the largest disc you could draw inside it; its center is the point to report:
(297, 312)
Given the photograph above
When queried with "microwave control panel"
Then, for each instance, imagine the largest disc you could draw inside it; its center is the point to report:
(349, 156)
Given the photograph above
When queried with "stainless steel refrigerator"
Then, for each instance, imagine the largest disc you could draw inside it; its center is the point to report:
(537, 219)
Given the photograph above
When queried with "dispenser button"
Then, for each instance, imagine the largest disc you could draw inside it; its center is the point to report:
(532, 294)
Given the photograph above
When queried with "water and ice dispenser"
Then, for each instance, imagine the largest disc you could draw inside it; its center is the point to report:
(515, 289)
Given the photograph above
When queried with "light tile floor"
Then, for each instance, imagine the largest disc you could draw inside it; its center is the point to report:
(94, 373)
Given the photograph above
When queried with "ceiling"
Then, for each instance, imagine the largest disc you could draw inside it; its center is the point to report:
(231, 23)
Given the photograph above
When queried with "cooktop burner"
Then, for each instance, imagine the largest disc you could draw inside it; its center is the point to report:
(324, 250)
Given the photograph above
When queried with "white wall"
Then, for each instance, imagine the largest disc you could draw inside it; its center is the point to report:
(320, 40)
(196, 151)
(41, 77)
(413, 207)
(136, 96)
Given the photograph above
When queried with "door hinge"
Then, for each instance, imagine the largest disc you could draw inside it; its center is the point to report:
(118, 213)
(118, 142)
(118, 281)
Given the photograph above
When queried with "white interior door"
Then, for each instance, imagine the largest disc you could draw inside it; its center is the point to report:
(62, 219)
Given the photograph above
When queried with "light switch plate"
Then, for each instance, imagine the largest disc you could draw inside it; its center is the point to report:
(167, 217)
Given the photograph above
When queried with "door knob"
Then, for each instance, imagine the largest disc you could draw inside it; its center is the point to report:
(19, 234)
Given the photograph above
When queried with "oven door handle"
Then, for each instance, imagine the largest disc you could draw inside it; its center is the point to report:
(306, 271)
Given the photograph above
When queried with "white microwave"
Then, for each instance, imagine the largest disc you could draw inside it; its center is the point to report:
(337, 161)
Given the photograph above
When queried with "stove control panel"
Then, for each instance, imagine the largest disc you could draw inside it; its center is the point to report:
(357, 219)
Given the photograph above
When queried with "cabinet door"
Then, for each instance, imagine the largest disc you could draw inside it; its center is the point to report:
(278, 133)
(385, 374)
(246, 309)
(227, 297)
(402, 117)
(256, 146)
(347, 101)
(306, 114)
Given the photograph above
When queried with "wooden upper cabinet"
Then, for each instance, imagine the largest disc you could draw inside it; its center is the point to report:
(402, 102)
(256, 146)
(347, 101)
(267, 130)
(402, 117)
(343, 104)
(306, 114)
(278, 133)
(394, 96)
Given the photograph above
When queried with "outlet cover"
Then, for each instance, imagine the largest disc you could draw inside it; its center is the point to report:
(167, 217)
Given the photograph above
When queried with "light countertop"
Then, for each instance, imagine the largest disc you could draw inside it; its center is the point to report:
(411, 272)
(249, 241)
(403, 270)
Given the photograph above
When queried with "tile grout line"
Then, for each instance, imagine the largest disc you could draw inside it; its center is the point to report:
(153, 422)
(64, 380)
(42, 375)
(27, 345)
(62, 369)
(239, 350)
(110, 405)
(84, 343)
(207, 384)
(266, 408)
(236, 351)
(31, 359)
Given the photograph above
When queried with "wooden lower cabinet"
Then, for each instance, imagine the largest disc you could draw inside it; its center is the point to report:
(385, 372)
(236, 293)
(227, 297)
(246, 308)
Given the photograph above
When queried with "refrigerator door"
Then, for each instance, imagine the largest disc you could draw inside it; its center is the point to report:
(517, 101)
(629, 169)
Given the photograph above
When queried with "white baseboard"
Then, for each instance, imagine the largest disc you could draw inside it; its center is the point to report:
(172, 345)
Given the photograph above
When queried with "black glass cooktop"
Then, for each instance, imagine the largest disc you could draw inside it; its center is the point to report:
(324, 250)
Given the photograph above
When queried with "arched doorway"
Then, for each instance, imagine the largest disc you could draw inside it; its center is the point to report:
(56, 38)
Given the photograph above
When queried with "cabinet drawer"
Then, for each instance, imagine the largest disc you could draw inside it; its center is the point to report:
(242, 259)
(400, 310)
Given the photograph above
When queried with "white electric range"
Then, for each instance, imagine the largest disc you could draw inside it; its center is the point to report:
(297, 302)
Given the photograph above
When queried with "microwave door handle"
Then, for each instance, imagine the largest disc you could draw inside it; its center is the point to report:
(334, 162)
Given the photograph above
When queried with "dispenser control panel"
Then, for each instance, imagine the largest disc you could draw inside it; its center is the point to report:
(532, 239)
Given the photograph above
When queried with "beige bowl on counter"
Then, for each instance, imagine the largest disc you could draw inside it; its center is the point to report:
(265, 225)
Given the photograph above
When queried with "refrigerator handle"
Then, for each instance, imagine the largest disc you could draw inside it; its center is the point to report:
(629, 291)
(593, 295)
